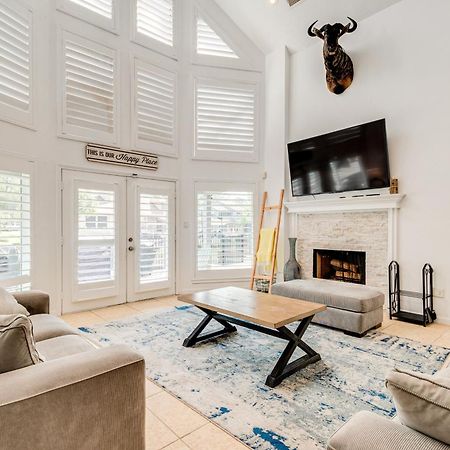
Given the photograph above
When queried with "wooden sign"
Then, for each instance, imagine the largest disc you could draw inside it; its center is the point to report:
(113, 155)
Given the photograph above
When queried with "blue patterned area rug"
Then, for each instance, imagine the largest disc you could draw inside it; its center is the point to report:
(224, 378)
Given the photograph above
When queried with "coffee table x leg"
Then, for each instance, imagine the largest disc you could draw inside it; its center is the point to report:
(283, 368)
(196, 335)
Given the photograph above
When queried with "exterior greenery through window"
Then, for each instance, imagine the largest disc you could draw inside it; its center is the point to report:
(224, 230)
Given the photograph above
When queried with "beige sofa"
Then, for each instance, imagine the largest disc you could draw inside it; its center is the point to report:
(369, 431)
(81, 397)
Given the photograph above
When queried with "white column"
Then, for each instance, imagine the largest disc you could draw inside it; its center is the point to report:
(277, 88)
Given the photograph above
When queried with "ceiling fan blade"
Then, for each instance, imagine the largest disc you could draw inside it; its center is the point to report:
(293, 2)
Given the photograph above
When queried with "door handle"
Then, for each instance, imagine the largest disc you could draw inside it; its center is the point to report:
(130, 248)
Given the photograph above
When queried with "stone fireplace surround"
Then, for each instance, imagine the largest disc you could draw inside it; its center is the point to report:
(362, 223)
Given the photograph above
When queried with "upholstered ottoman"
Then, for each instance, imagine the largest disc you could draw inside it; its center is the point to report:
(353, 308)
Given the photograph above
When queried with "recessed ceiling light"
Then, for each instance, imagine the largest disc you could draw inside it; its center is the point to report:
(272, 2)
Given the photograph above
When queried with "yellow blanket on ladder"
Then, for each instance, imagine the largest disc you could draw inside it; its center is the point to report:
(265, 250)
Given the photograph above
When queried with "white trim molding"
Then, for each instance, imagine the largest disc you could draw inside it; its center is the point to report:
(345, 204)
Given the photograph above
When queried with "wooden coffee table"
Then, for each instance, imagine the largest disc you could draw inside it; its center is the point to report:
(266, 313)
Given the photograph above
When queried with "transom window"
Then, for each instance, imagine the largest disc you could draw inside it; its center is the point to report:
(154, 19)
(209, 43)
(102, 7)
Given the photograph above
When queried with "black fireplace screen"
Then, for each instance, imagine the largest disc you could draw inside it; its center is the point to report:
(340, 265)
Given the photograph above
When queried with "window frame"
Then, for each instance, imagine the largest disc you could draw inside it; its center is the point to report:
(211, 275)
(228, 78)
(73, 132)
(84, 14)
(25, 119)
(164, 65)
(18, 165)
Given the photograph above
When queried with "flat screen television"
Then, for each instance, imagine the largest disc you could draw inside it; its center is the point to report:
(353, 159)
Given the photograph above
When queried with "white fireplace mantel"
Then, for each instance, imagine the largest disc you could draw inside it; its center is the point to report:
(345, 204)
(388, 202)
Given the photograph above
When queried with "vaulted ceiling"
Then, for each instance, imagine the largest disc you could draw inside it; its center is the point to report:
(271, 25)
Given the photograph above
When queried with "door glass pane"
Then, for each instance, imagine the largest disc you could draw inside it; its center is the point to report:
(15, 230)
(96, 236)
(153, 253)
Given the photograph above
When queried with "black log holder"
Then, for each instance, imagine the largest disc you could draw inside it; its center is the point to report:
(428, 314)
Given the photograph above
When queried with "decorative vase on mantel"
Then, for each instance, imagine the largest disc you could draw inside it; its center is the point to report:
(292, 267)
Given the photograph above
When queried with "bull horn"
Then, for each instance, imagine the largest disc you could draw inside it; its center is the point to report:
(351, 27)
(311, 30)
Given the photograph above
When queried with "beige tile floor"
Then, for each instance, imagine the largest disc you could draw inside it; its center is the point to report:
(173, 425)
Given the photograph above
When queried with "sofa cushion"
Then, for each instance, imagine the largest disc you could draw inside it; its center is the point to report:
(47, 326)
(17, 345)
(422, 402)
(61, 346)
(9, 305)
(335, 294)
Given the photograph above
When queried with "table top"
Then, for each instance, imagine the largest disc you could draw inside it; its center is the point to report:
(273, 311)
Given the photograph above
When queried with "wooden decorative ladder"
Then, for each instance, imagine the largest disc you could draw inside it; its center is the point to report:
(264, 209)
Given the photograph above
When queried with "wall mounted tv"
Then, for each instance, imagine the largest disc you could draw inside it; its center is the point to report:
(353, 159)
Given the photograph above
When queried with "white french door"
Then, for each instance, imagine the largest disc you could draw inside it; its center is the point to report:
(118, 240)
(151, 239)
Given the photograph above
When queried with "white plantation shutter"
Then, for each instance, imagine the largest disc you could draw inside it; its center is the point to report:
(15, 63)
(90, 90)
(101, 13)
(15, 230)
(225, 119)
(154, 20)
(210, 43)
(153, 252)
(155, 104)
(96, 236)
(102, 7)
(224, 229)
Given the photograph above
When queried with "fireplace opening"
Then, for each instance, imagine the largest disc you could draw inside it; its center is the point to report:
(340, 265)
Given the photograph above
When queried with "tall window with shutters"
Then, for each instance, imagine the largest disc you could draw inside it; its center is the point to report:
(226, 120)
(155, 108)
(154, 23)
(15, 230)
(225, 217)
(16, 63)
(90, 90)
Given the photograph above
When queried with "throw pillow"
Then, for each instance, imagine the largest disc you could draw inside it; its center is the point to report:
(9, 305)
(17, 345)
(422, 402)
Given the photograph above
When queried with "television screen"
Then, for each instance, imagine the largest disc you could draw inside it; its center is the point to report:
(347, 160)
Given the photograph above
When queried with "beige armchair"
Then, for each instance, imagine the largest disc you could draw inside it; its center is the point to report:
(81, 397)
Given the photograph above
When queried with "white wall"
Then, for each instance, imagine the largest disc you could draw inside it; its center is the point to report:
(277, 105)
(402, 73)
(51, 153)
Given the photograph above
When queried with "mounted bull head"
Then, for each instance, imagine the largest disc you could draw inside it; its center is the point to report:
(338, 64)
